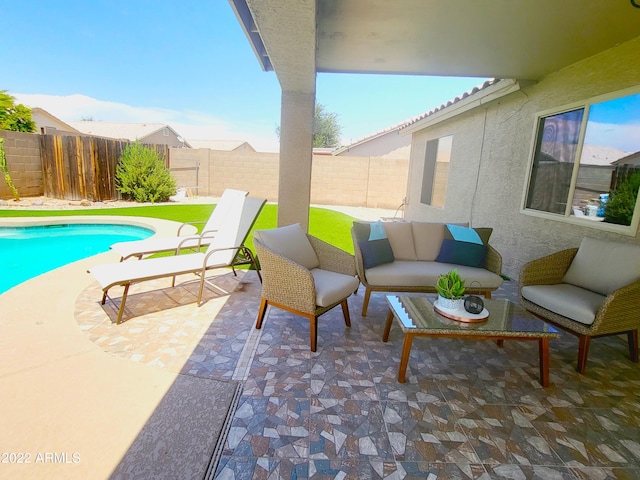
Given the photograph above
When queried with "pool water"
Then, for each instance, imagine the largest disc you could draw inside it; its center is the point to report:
(26, 252)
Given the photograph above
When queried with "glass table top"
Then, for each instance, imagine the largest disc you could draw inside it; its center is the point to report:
(416, 314)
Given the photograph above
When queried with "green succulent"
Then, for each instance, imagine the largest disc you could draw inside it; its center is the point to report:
(450, 285)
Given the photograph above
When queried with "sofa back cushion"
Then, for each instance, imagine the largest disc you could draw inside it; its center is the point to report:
(464, 246)
(373, 243)
(400, 235)
(427, 239)
(291, 242)
(603, 266)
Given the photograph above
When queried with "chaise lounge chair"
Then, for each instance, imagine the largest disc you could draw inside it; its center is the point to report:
(140, 248)
(226, 249)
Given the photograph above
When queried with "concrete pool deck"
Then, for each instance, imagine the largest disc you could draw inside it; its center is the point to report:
(69, 408)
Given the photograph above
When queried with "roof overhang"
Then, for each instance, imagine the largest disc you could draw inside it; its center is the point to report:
(473, 38)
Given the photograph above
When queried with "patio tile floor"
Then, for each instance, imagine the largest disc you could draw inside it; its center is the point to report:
(469, 409)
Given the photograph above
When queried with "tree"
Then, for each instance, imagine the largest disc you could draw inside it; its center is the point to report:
(326, 129)
(14, 117)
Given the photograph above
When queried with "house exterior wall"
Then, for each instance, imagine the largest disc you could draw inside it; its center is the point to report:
(158, 138)
(48, 125)
(23, 162)
(490, 157)
(391, 143)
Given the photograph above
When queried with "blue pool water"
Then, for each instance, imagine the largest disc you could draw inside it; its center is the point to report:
(26, 252)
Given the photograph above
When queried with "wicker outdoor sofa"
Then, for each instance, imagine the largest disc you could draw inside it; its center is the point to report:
(410, 256)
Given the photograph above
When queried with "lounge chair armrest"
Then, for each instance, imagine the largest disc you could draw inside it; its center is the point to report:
(618, 313)
(284, 281)
(333, 258)
(187, 224)
(547, 270)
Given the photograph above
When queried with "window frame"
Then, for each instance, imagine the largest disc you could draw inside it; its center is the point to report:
(585, 104)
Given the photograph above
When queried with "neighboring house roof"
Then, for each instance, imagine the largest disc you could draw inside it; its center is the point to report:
(631, 159)
(224, 145)
(395, 128)
(59, 124)
(128, 131)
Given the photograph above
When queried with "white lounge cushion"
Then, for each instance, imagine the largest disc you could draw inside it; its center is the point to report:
(405, 273)
(332, 287)
(604, 266)
(578, 304)
(400, 235)
(290, 242)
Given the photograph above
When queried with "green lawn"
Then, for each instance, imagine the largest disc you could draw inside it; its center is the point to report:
(333, 227)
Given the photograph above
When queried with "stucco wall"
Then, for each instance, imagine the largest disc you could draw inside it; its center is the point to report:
(495, 141)
(24, 165)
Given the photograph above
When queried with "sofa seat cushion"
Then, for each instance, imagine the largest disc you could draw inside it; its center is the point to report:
(404, 273)
(578, 304)
(332, 287)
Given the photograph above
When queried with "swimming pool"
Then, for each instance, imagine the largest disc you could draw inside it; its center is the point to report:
(26, 252)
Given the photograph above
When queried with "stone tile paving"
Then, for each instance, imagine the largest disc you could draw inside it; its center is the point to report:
(469, 409)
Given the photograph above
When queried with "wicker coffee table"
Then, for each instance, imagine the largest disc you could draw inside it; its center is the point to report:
(507, 321)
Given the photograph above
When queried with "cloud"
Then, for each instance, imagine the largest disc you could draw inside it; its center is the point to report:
(189, 124)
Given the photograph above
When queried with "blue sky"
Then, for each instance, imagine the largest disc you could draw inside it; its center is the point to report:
(187, 64)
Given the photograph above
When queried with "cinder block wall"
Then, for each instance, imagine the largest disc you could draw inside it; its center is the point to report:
(373, 182)
(24, 165)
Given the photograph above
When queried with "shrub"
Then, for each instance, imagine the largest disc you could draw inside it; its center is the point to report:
(622, 201)
(142, 176)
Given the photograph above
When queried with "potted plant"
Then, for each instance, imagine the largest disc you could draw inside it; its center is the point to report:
(450, 288)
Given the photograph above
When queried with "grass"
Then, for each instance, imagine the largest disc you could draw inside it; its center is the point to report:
(332, 227)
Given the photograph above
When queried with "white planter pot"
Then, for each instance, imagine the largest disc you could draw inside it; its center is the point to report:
(450, 304)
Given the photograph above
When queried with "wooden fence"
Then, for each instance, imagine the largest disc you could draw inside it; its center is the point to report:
(83, 167)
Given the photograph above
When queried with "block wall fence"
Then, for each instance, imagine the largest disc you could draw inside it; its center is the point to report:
(24, 164)
(374, 182)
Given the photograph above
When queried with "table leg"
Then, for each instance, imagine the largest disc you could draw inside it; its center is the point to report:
(500, 343)
(404, 359)
(387, 327)
(543, 347)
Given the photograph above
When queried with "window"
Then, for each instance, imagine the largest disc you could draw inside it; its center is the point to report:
(436, 171)
(165, 132)
(586, 164)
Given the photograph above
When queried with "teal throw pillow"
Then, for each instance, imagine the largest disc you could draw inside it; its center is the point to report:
(464, 246)
(373, 243)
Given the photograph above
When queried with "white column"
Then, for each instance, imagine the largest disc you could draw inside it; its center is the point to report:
(296, 153)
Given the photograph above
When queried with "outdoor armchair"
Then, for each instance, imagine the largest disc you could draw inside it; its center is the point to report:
(591, 291)
(303, 275)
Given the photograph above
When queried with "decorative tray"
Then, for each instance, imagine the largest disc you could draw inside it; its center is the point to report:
(461, 315)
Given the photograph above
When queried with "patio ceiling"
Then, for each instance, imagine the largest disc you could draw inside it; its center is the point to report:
(475, 38)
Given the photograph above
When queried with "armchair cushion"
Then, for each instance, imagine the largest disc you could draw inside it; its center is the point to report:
(603, 266)
(291, 242)
(332, 287)
(582, 307)
(373, 242)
